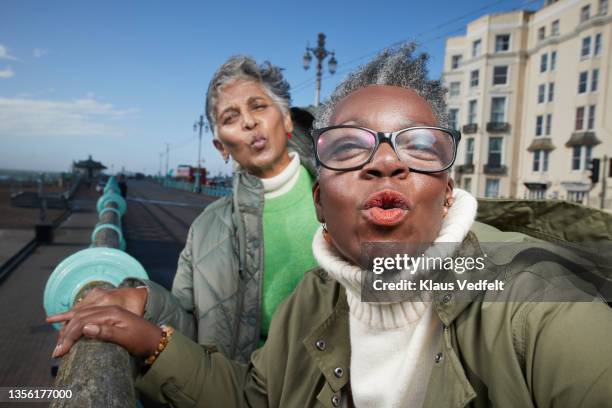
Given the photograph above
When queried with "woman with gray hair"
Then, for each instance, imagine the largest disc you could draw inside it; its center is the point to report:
(245, 253)
(384, 178)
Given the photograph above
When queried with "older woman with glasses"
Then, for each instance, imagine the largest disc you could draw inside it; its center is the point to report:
(384, 179)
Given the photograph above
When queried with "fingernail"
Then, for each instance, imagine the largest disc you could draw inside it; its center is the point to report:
(91, 329)
(55, 350)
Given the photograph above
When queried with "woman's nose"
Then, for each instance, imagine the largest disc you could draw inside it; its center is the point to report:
(248, 121)
(385, 163)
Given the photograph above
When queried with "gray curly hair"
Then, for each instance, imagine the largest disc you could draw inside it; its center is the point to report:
(246, 68)
(394, 67)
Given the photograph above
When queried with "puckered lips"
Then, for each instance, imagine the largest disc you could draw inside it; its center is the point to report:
(258, 142)
(386, 208)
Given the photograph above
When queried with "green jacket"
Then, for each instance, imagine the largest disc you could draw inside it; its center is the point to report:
(217, 290)
(523, 354)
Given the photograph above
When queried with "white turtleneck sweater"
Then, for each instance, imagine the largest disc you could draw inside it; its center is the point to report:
(284, 181)
(392, 344)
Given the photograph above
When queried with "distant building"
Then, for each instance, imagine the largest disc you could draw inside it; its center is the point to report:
(90, 168)
(531, 92)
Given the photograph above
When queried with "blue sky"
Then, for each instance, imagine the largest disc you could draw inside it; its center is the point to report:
(120, 79)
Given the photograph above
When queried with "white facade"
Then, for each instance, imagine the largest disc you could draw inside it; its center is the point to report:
(536, 132)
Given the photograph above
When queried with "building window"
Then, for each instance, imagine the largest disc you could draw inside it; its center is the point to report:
(539, 125)
(585, 13)
(536, 160)
(597, 47)
(541, 93)
(603, 7)
(537, 193)
(576, 153)
(585, 50)
(545, 160)
(594, 79)
(476, 48)
(492, 188)
(474, 78)
(576, 196)
(554, 28)
(469, 151)
(500, 75)
(588, 156)
(591, 121)
(579, 124)
(502, 43)
(495, 151)
(543, 62)
(453, 116)
(454, 89)
(541, 33)
(498, 109)
(553, 60)
(456, 61)
(548, 124)
(472, 112)
(583, 79)
(551, 91)
(467, 184)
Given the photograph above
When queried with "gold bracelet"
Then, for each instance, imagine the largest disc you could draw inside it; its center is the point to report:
(167, 332)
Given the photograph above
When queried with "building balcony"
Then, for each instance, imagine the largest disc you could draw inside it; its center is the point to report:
(498, 127)
(465, 168)
(586, 138)
(497, 169)
(469, 128)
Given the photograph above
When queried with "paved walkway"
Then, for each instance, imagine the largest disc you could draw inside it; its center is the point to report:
(155, 226)
(26, 341)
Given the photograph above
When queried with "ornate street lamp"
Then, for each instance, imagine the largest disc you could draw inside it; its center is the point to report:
(320, 53)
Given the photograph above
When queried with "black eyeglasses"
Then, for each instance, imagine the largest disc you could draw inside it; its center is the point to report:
(425, 149)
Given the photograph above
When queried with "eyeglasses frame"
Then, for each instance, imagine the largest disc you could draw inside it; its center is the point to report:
(386, 137)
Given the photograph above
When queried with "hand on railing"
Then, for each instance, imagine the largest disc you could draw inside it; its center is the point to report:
(107, 323)
(132, 299)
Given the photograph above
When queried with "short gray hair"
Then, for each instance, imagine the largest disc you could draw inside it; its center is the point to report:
(246, 68)
(393, 67)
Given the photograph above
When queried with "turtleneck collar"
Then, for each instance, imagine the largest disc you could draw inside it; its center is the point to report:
(284, 181)
(386, 316)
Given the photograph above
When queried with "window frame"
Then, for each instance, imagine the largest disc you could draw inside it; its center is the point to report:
(477, 48)
(507, 43)
(491, 154)
(583, 82)
(474, 83)
(472, 103)
(497, 76)
(504, 112)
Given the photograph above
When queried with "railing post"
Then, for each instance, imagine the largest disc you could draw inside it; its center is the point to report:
(99, 374)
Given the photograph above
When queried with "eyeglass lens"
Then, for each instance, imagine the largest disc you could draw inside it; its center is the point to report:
(421, 148)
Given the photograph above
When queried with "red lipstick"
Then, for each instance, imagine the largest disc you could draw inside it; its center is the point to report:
(386, 208)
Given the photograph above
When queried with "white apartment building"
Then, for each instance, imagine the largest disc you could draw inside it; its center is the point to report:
(531, 93)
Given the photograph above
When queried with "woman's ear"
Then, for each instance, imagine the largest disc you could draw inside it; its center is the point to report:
(288, 122)
(221, 148)
(448, 196)
(316, 197)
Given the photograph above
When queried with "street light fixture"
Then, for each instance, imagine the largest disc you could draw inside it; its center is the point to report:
(199, 124)
(320, 53)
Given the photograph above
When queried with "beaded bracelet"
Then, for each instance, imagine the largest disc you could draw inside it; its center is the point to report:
(167, 332)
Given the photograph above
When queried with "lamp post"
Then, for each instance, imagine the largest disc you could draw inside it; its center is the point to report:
(199, 124)
(320, 53)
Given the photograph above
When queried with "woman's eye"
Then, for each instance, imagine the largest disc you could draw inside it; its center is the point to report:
(260, 107)
(229, 118)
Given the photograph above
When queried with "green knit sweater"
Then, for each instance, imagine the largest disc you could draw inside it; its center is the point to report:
(289, 224)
